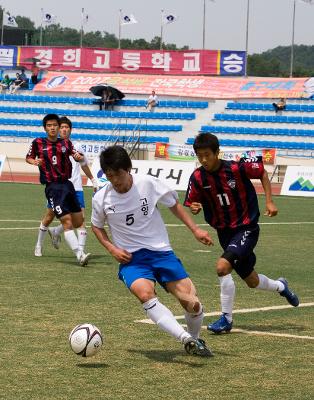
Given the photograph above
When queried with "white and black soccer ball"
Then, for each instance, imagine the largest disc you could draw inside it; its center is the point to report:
(86, 340)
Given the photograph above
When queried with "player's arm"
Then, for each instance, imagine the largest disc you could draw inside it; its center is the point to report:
(271, 209)
(89, 175)
(31, 156)
(77, 155)
(192, 197)
(121, 255)
(200, 234)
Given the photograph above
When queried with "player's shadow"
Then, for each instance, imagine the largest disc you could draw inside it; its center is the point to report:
(169, 356)
(93, 365)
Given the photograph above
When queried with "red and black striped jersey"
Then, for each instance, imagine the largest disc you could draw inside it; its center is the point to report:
(227, 195)
(56, 166)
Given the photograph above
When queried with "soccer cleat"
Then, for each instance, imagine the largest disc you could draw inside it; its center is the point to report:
(38, 252)
(55, 239)
(291, 297)
(83, 260)
(197, 347)
(221, 325)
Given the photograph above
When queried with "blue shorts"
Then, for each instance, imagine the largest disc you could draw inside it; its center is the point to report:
(238, 245)
(79, 197)
(160, 266)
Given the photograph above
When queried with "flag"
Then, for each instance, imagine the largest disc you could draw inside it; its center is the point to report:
(48, 18)
(9, 20)
(169, 19)
(84, 19)
(128, 19)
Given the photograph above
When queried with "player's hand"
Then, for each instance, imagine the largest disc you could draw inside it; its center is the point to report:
(271, 209)
(121, 255)
(38, 162)
(95, 185)
(203, 237)
(195, 208)
(78, 156)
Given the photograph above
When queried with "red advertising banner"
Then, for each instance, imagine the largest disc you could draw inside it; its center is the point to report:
(190, 62)
(188, 86)
(179, 152)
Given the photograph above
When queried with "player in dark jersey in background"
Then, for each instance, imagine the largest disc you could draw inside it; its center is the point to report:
(52, 156)
(223, 189)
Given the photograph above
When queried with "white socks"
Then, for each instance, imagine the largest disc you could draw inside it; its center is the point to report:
(227, 292)
(71, 239)
(194, 323)
(81, 236)
(41, 234)
(164, 318)
(269, 284)
(58, 230)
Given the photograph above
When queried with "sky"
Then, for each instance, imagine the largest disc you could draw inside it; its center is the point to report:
(270, 21)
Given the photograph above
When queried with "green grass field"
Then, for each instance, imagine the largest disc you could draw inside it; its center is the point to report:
(42, 299)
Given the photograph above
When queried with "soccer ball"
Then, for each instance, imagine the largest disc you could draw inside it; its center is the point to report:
(85, 340)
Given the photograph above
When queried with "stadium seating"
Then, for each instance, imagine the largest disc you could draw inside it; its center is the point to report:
(91, 101)
(262, 144)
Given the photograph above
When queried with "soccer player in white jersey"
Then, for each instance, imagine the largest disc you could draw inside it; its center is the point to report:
(140, 243)
(76, 179)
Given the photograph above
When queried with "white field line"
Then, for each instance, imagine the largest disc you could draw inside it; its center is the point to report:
(168, 225)
(263, 333)
(240, 311)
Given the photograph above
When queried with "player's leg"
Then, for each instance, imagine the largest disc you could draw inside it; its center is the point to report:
(43, 229)
(139, 277)
(262, 282)
(81, 230)
(171, 274)
(184, 290)
(68, 211)
(69, 222)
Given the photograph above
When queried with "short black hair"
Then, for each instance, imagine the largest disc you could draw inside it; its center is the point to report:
(50, 117)
(65, 120)
(115, 158)
(206, 141)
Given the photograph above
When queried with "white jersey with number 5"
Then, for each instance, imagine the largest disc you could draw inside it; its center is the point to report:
(133, 217)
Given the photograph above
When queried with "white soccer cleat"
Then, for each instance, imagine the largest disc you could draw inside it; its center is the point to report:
(83, 259)
(55, 239)
(38, 252)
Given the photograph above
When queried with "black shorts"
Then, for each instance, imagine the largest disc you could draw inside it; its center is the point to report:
(62, 198)
(238, 245)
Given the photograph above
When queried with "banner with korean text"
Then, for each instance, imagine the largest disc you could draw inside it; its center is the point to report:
(186, 153)
(179, 62)
(180, 86)
(175, 174)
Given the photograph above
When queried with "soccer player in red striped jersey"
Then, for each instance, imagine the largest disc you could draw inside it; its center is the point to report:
(52, 156)
(225, 193)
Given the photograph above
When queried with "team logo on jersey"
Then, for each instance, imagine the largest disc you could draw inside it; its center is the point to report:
(255, 165)
(112, 208)
(63, 149)
(231, 183)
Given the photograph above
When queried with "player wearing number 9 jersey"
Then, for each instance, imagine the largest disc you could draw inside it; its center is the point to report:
(140, 243)
(52, 156)
(223, 189)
